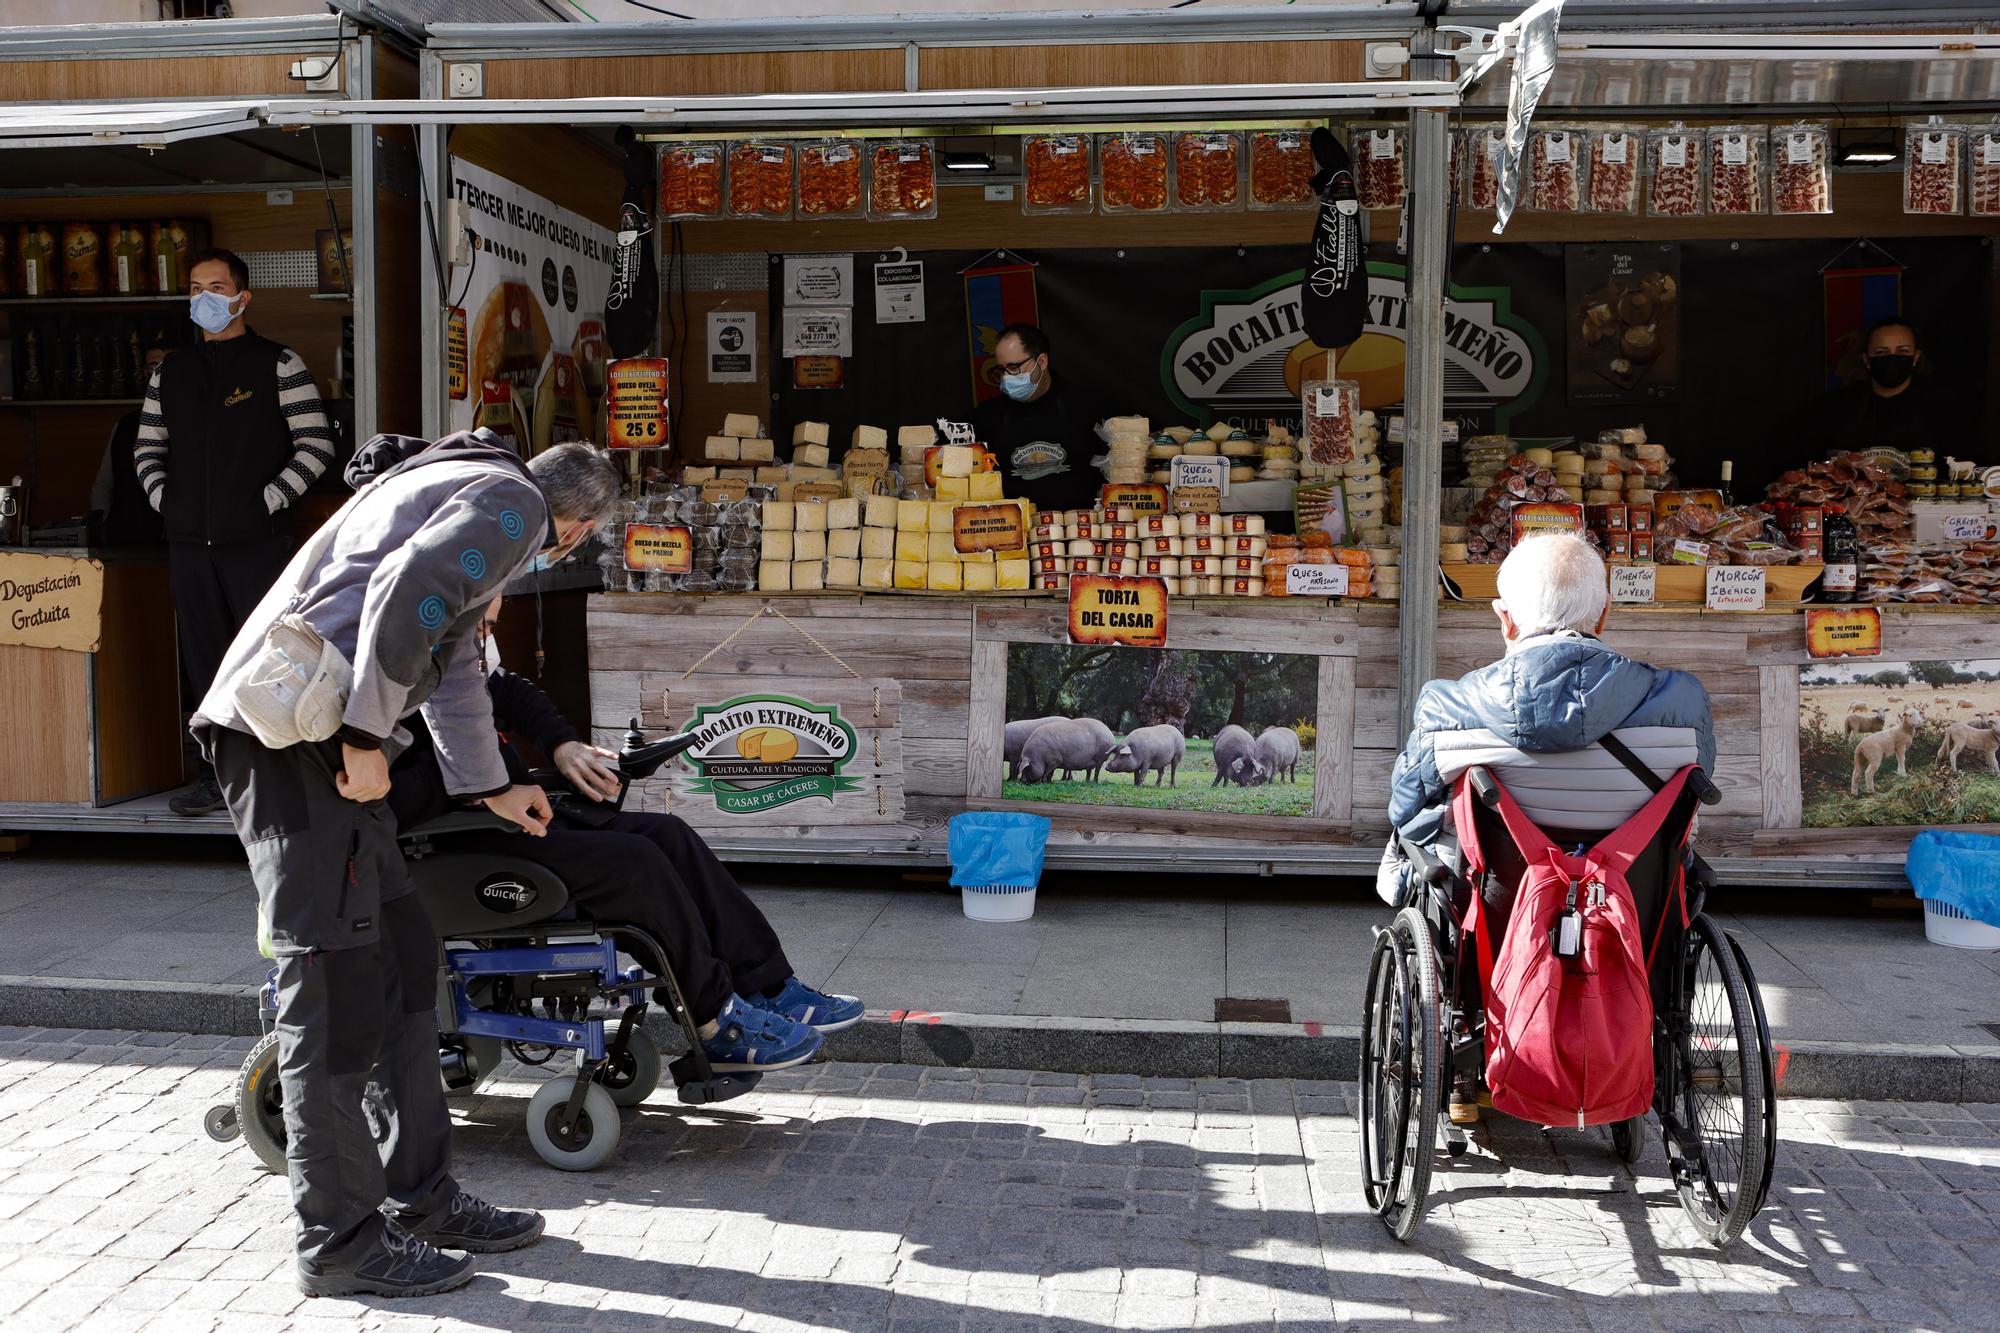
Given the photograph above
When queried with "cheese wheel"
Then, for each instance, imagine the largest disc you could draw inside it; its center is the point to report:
(1566, 460)
(1200, 448)
(1602, 497)
(1539, 457)
(1451, 532)
(1382, 555)
(1598, 467)
(741, 424)
(1161, 475)
(1454, 551)
(1373, 537)
(1249, 474)
(775, 575)
(843, 544)
(1248, 449)
(1651, 453)
(1163, 453)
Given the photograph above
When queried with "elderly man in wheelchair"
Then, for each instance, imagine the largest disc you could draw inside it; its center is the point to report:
(1559, 785)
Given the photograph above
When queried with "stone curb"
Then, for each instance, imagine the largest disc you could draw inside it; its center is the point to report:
(1146, 1047)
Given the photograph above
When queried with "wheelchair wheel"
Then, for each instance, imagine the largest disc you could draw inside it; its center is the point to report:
(590, 1144)
(1400, 1073)
(1719, 1156)
(1628, 1139)
(260, 1105)
(630, 1075)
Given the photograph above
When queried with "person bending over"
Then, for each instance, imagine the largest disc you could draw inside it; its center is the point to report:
(651, 871)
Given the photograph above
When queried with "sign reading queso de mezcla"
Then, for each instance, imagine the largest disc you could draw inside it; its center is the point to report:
(50, 601)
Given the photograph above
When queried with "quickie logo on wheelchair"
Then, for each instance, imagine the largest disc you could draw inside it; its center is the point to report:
(504, 894)
(757, 752)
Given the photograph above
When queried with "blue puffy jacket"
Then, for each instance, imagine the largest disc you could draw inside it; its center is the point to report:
(1561, 692)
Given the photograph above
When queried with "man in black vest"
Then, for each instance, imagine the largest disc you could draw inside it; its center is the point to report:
(230, 437)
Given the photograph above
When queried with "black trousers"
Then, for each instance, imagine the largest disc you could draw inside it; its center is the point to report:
(215, 589)
(654, 872)
(365, 1117)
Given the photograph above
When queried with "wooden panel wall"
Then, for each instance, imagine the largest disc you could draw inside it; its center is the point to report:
(45, 749)
(137, 80)
(138, 685)
(879, 70)
(701, 406)
(1144, 64)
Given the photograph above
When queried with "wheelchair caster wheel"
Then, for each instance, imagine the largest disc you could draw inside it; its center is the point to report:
(631, 1075)
(590, 1143)
(220, 1124)
(260, 1105)
(1628, 1139)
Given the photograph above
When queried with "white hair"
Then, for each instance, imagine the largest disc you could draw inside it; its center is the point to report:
(1551, 582)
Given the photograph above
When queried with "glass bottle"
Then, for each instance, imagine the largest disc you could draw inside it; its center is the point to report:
(1842, 580)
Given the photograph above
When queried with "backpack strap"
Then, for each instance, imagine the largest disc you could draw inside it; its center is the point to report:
(1622, 752)
(1533, 844)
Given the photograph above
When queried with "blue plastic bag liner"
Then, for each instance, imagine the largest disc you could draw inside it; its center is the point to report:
(1960, 869)
(997, 847)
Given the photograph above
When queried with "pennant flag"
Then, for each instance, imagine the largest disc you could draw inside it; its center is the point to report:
(1856, 298)
(996, 295)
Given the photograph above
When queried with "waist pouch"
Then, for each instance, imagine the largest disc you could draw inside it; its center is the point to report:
(296, 689)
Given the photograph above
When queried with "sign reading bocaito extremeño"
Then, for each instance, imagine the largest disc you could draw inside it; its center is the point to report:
(50, 601)
(757, 752)
(1131, 612)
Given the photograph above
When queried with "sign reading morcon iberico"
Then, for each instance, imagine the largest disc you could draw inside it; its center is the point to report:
(757, 752)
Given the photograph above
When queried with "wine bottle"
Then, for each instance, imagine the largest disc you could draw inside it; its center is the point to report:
(1841, 582)
(1728, 472)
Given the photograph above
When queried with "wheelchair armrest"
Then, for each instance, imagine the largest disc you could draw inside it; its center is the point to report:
(1430, 869)
(475, 819)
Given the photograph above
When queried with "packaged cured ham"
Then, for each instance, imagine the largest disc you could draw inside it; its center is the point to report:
(1801, 169)
(1132, 172)
(1615, 153)
(1281, 169)
(1673, 162)
(1738, 169)
(902, 179)
(1056, 173)
(691, 180)
(1378, 165)
(1330, 408)
(1932, 179)
(1983, 151)
(1557, 166)
(1208, 170)
(760, 179)
(1482, 167)
(830, 179)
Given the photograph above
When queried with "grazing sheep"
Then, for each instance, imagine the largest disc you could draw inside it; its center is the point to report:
(1860, 723)
(1871, 752)
(1963, 738)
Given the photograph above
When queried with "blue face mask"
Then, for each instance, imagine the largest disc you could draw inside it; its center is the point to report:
(1018, 387)
(211, 311)
(541, 563)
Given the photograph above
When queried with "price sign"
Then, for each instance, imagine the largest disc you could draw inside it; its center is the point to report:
(1316, 580)
(994, 527)
(1532, 520)
(1848, 631)
(636, 408)
(458, 382)
(1966, 527)
(663, 548)
(1200, 470)
(1131, 612)
(1634, 583)
(1197, 500)
(1142, 498)
(1736, 587)
(723, 490)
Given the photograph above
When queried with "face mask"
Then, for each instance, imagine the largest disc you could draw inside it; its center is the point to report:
(1891, 371)
(211, 311)
(1018, 387)
(543, 562)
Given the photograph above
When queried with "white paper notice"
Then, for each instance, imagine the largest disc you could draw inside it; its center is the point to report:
(1201, 470)
(1316, 580)
(1966, 527)
(1633, 583)
(818, 333)
(732, 346)
(1736, 587)
(819, 280)
(899, 293)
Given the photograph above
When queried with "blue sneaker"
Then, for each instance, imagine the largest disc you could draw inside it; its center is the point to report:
(815, 1008)
(752, 1040)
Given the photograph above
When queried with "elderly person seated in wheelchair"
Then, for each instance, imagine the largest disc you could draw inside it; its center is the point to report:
(653, 872)
(1566, 723)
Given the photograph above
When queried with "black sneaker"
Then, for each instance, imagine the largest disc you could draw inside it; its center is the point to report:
(204, 798)
(398, 1265)
(475, 1226)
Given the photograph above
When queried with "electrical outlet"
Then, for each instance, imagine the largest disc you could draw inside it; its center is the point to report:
(468, 80)
(458, 237)
(999, 194)
(320, 74)
(278, 198)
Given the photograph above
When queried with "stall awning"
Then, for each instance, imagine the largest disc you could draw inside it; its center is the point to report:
(132, 124)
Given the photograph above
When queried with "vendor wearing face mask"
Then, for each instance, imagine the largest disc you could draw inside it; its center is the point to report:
(1894, 408)
(231, 435)
(1044, 441)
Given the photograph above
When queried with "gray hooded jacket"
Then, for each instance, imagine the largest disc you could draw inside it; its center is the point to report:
(400, 590)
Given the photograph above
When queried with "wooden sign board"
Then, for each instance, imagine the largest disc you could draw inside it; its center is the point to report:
(1532, 520)
(720, 490)
(659, 548)
(1197, 499)
(1142, 499)
(1129, 612)
(636, 403)
(1847, 631)
(994, 527)
(51, 601)
(816, 490)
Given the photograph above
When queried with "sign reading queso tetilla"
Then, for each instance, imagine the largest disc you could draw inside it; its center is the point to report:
(1129, 612)
(50, 601)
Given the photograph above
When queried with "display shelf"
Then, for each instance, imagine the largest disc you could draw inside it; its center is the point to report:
(331, 296)
(26, 403)
(91, 300)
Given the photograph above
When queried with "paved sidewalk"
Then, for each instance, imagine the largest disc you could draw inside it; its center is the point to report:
(885, 1197)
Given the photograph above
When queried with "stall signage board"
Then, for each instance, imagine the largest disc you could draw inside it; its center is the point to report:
(50, 601)
(1303, 580)
(899, 293)
(1142, 499)
(721, 489)
(1200, 470)
(1736, 587)
(732, 347)
(1197, 500)
(755, 753)
(1128, 612)
(818, 372)
(1966, 527)
(659, 548)
(825, 331)
(457, 357)
(994, 527)
(1633, 583)
(1847, 631)
(819, 280)
(816, 490)
(636, 414)
(1533, 520)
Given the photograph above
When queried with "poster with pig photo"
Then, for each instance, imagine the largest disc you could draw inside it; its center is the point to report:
(1905, 743)
(1161, 728)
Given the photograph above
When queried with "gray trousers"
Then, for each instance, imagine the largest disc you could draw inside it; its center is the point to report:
(365, 1118)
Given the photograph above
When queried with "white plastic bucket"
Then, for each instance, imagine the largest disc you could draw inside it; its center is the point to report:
(997, 902)
(1943, 924)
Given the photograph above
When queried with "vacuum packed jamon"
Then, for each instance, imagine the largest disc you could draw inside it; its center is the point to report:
(1378, 166)
(691, 180)
(1208, 169)
(1057, 168)
(902, 179)
(1673, 161)
(760, 179)
(1801, 170)
(1557, 161)
(1984, 175)
(1865, 490)
(1736, 178)
(1482, 168)
(1281, 168)
(830, 179)
(1614, 170)
(1931, 176)
(1133, 169)
(1330, 409)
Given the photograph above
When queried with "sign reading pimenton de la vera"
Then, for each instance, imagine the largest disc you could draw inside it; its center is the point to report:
(50, 601)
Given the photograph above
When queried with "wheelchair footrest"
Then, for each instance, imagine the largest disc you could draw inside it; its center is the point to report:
(694, 1090)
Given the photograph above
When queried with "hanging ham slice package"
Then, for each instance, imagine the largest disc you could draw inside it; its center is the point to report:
(1673, 163)
(1801, 169)
(1932, 179)
(1737, 177)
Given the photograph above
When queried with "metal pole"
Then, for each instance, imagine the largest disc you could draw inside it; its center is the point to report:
(430, 314)
(361, 289)
(1423, 390)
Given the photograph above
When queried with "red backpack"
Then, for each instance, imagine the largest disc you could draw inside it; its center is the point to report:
(1569, 1008)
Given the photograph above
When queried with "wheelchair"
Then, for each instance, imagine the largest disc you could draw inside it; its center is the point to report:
(521, 971)
(1423, 1029)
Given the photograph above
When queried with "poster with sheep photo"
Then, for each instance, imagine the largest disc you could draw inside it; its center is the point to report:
(1161, 728)
(1907, 743)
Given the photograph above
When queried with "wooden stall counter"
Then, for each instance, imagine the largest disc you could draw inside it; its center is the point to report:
(89, 681)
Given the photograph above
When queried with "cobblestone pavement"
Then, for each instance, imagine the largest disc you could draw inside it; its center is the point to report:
(862, 1197)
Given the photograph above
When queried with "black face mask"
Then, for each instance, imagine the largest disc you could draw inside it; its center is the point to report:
(1891, 371)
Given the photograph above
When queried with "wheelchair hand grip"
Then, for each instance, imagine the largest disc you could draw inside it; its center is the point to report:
(1705, 791)
(1484, 787)
(643, 761)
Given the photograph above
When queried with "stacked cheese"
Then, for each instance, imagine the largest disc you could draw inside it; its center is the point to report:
(1128, 440)
(926, 556)
(742, 441)
(912, 442)
(1195, 555)
(1278, 458)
